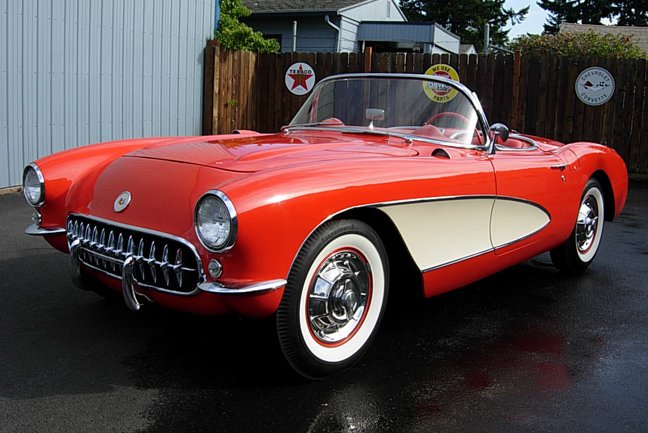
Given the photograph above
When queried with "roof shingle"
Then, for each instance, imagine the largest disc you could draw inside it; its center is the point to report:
(270, 6)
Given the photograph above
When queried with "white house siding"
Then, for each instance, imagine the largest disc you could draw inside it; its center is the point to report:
(74, 72)
(349, 31)
(374, 10)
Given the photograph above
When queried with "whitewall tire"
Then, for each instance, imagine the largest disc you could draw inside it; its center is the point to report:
(334, 299)
(579, 250)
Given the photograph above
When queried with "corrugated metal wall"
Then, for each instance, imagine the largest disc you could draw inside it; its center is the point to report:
(74, 72)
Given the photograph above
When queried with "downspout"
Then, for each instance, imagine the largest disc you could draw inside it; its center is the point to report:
(337, 29)
(294, 36)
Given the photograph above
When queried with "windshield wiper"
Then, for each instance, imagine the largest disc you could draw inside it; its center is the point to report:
(405, 137)
(306, 125)
(344, 129)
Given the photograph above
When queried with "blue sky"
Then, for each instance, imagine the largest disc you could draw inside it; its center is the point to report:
(534, 21)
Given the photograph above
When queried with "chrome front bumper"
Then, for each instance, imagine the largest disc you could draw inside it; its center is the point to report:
(36, 230)
(126, 269)
(254, 288)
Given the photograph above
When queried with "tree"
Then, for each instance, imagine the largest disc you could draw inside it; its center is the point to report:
(625, 12)
(236, 35)
(631, 12)
(560, 11)
(579, 44)
(466, 18)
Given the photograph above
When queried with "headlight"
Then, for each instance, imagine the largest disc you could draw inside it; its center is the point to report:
(215, 220)
(33, 185)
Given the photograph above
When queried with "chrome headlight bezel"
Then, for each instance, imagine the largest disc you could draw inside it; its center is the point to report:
(31, 167)
(230, 240)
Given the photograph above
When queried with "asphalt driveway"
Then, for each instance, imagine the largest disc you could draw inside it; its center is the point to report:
(525, 350)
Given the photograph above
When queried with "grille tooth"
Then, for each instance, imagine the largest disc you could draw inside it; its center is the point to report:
(111, 242)
(94, 242)
(120, 245)
(151, 262)
(102, 245)
(140, 258)
(111, 248)
(165, 264)
(105, 246)
(178, 266)
(95, 235)
(102, 239)
(131, 246)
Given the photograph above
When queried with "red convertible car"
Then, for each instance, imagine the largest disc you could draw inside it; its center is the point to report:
(379, 180)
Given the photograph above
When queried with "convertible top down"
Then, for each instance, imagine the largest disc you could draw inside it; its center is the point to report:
(375, 186)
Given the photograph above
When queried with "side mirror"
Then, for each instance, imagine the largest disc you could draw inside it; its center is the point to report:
(501, 130)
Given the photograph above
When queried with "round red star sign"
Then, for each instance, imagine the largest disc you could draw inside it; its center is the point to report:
(300, 78)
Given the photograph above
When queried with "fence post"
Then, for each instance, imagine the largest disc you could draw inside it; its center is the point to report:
(210, 87)
(368, 53)
(515, 93)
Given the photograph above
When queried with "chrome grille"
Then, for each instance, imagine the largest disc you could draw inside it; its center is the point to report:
(162, 261)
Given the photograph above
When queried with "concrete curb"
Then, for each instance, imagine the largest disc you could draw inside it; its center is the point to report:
(10, 190)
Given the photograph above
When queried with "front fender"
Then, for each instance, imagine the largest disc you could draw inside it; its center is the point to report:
(594, 160)
(64, 169)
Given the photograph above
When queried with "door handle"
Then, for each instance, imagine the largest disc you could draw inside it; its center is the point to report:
(560, 167)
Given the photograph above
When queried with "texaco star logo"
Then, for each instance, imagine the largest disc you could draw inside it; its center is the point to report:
(122, 201)
(300, 78)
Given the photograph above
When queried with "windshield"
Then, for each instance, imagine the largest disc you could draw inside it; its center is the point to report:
(429, 109)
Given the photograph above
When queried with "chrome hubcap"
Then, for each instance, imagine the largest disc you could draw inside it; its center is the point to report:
(338, 296)
(587, 224)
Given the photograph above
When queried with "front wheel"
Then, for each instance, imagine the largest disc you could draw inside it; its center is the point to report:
(334, 299)
(579, 250)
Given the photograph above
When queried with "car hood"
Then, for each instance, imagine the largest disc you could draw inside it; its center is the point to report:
(255, 152)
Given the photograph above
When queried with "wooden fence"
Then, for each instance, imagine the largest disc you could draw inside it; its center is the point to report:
(534, 95)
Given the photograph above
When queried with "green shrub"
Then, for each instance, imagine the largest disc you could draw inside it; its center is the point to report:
(236, 35)
(579, 44)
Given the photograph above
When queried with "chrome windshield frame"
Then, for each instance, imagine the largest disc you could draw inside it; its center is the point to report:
(488, 145)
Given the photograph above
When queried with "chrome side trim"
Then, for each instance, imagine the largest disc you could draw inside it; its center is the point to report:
(452, 262)
(256, 288)
(378, 205)
(36, 230)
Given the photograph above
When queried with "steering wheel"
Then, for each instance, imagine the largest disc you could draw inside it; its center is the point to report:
(452, 114)
(332, 121)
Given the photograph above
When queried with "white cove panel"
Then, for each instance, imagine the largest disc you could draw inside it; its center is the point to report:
(514, 220)
(443, 231)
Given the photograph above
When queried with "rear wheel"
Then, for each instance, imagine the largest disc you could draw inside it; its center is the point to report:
(334, 299)
(579, 250)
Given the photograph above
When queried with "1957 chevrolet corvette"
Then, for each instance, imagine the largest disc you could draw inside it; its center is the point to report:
(376, 181)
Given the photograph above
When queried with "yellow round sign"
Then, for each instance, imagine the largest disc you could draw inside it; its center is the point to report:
(439, 92)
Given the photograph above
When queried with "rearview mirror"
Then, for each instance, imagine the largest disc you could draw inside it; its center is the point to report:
(374, 114)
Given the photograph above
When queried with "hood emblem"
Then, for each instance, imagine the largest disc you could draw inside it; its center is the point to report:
(122, 201)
